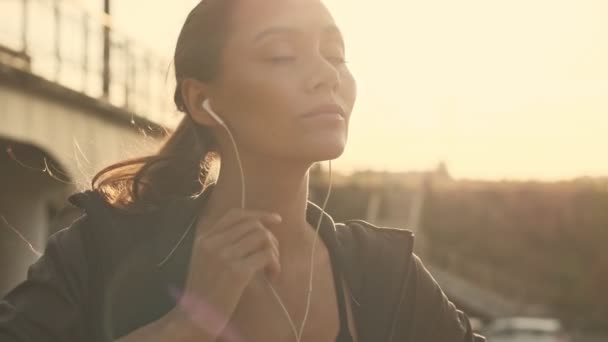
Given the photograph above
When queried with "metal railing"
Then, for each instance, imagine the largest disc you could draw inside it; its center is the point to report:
(64, 43)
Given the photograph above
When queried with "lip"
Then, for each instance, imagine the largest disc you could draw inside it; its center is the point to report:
(325, 109)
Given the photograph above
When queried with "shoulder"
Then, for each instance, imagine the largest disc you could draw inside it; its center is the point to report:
(364, 243)
(102, 221)
(51, 300)
(72, 247)
(360, 234)
(109, 235)
(96, 209)
(367, 228)
(381, 260)
(64, 250)
(373, 252)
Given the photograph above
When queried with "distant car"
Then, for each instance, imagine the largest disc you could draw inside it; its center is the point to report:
(525, 329)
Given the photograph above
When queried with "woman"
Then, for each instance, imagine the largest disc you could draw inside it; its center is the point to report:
(163, 254)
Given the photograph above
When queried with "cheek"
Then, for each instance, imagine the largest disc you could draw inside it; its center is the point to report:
(348, 90)
(260, 106)
(257, 94)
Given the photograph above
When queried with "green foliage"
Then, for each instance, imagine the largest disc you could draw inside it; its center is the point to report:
(346, 202)
(548, 236)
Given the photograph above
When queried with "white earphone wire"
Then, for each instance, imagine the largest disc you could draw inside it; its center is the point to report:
(297, 334)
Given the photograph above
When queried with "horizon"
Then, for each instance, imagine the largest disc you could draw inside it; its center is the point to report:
(412, 172)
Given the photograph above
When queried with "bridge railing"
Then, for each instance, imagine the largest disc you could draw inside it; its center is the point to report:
(63, 43)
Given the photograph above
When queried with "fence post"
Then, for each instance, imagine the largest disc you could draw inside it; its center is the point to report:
(57, 16)
(24, 25)
(106, 51)
(85, 51)
(133, 76)
(127, 51)
(147, 83)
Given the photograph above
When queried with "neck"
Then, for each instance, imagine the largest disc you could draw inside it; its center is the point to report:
(270, 186)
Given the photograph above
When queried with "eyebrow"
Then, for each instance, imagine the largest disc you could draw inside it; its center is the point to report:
(328, 30)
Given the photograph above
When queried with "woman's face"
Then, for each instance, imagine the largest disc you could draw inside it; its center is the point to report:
(284, 59)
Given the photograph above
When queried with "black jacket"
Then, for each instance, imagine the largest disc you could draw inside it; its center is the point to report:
(98, 279)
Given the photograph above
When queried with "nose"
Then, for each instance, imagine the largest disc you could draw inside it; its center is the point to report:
(324, 75)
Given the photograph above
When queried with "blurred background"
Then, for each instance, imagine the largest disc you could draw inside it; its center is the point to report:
(480, 125)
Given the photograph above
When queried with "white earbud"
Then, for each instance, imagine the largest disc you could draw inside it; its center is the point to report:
(207, 106)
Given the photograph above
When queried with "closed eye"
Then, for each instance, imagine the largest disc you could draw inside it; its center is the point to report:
(281, 59)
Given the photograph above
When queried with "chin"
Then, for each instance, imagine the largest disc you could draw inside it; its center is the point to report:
(311, 148)
(321, 151)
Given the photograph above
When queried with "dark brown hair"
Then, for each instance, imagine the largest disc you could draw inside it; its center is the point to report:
(181, 166)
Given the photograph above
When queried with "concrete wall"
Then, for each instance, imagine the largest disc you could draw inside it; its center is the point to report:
(48, 123)
(28, 199)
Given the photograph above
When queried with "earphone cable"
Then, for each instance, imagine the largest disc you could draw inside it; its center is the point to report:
(297, 334)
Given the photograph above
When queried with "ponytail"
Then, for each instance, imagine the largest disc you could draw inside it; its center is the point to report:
(180, 168)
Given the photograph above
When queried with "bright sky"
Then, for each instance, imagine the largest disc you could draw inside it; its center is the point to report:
(497, 89)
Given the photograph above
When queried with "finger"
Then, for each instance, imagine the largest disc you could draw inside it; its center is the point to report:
(252, 242)
(230, 236)
(237, 215)
(260, 260)
(274, 269)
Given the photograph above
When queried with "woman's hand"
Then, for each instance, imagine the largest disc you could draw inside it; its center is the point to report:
(225, 258)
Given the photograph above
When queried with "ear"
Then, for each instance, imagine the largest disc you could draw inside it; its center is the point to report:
(194, 92)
